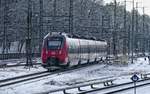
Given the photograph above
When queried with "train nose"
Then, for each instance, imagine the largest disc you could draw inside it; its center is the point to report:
(53, 53)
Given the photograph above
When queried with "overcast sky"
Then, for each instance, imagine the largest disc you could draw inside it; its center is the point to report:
(145, 3)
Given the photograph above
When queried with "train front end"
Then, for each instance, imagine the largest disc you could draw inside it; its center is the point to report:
(54, 51)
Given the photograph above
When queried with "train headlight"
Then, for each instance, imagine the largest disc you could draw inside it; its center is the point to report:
(60, 52)
(46, 51)
(66, 59)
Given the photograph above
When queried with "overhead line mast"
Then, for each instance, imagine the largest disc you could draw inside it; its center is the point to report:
(144, 43)
(125, 32)
(5, 22)
(115, 31)
(71, 17)
(28, 38)
(41, 25)
(54, 16)
(132, 34)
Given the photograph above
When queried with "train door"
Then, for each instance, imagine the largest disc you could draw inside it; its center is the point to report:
(73, 51)
(88, 50)
(84, 51)
(92, 51)
(96, 51)
(79, 52)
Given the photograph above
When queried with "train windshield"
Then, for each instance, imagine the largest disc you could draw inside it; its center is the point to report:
(55, 43)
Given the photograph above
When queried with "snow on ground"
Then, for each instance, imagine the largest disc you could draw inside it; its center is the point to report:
(61, 80)
(20, 70)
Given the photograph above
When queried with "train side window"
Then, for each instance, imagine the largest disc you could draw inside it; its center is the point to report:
(92, 47)
(81, 49)
(73, 48)
(70, 48)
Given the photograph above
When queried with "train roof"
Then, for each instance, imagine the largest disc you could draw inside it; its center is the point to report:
(54, 34)
(72, 36)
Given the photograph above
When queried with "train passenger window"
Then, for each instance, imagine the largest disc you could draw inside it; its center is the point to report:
(73, 48)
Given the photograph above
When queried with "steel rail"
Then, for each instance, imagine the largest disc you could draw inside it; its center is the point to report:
(96, 89)
(78, 86)
(127, 88)
(23, 78)
(20, 77)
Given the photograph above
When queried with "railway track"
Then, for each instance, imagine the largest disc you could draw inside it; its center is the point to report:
(95, 88)
(24, 78)
(80, 85)
(17, 55)
(114, 88)
(128, 88)
(15, 65)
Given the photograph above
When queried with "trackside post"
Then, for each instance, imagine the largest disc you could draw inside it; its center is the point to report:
(134, 78)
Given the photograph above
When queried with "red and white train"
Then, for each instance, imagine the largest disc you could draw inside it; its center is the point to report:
(59, 50)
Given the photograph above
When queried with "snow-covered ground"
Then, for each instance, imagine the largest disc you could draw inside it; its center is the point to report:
(17, 71)
(122, 73)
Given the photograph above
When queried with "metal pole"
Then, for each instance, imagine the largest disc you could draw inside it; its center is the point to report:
(71, 17)
(137, 46)
(102, 25)
(136, 16)
(114, 31)
(143, 31)
(5, 27)
(132, 34)
(134, 87)
(28, 40)
(41, 25)
(125, 32)
(54, 15)
(16, 3)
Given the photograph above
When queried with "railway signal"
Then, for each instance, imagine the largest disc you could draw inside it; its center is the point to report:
(134, 78)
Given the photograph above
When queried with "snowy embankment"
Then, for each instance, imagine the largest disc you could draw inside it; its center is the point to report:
(121, 72)
(14, 48)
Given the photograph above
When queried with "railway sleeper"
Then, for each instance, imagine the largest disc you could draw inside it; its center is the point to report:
(92, 86)
(144, 76)
(64, 91)
(108, 83)
(79, 89)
